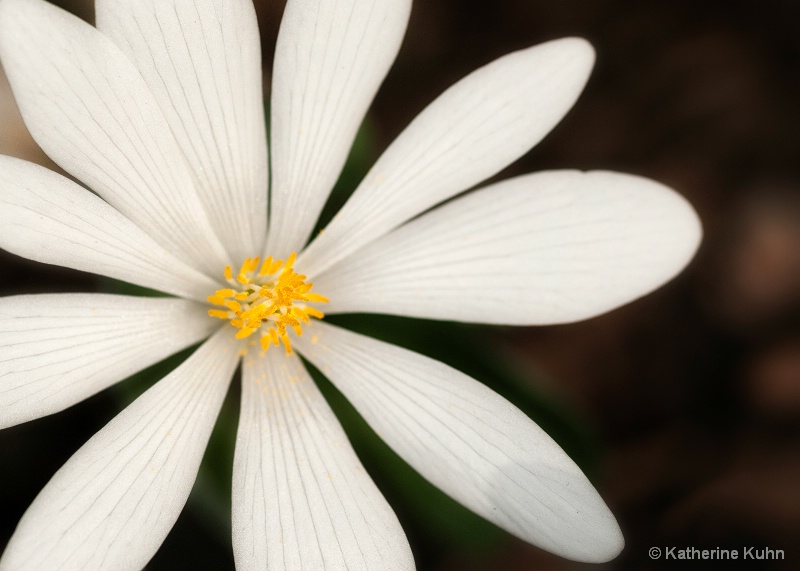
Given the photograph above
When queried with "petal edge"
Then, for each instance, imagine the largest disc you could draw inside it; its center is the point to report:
(470, 442)
(546, 248)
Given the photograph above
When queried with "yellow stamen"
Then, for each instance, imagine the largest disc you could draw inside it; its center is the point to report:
(317, 298)
(267, 297)
(245, 332)
(287, 343)
(314, 312)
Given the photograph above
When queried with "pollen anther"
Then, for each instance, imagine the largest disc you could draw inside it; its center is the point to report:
(266, 300)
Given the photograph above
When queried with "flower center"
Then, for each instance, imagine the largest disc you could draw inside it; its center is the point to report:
(267, 300)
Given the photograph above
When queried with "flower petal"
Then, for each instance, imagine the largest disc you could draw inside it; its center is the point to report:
(60, 349)
(546, 248)
(301, 498)
(202, 62)
(113, 503)
(470, 442)
(473, 130)
(48, 218)
(330, 59)
(91, 112)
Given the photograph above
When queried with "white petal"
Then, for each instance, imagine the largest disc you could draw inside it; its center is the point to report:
(91, 112)
(60, 349)
(50, 219)
(301, 498)
(202, 62)
(473, 130)
(552, 247)
(113, 503)
(330, 59)
(470, 442)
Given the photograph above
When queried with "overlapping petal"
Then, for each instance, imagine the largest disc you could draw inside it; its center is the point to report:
(48, 218)
(330, 59)
(90, 110)
(301, 498)
(468, 441)
(545, 248)
(473, 130)
(60, 349)
(202, 61)
(113, 503)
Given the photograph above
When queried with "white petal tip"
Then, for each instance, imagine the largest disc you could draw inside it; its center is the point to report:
(580, 48)
(606, 544)
(682, 225)
(589, 535)
(576, 52)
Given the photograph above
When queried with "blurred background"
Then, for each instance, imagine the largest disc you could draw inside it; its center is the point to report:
(683, 407)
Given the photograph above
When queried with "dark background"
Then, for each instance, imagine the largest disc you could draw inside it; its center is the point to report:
(683, 407)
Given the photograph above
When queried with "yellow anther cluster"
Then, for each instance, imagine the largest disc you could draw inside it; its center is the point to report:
(268, 300)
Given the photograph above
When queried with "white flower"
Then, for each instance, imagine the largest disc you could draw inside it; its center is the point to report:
(160, 113)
